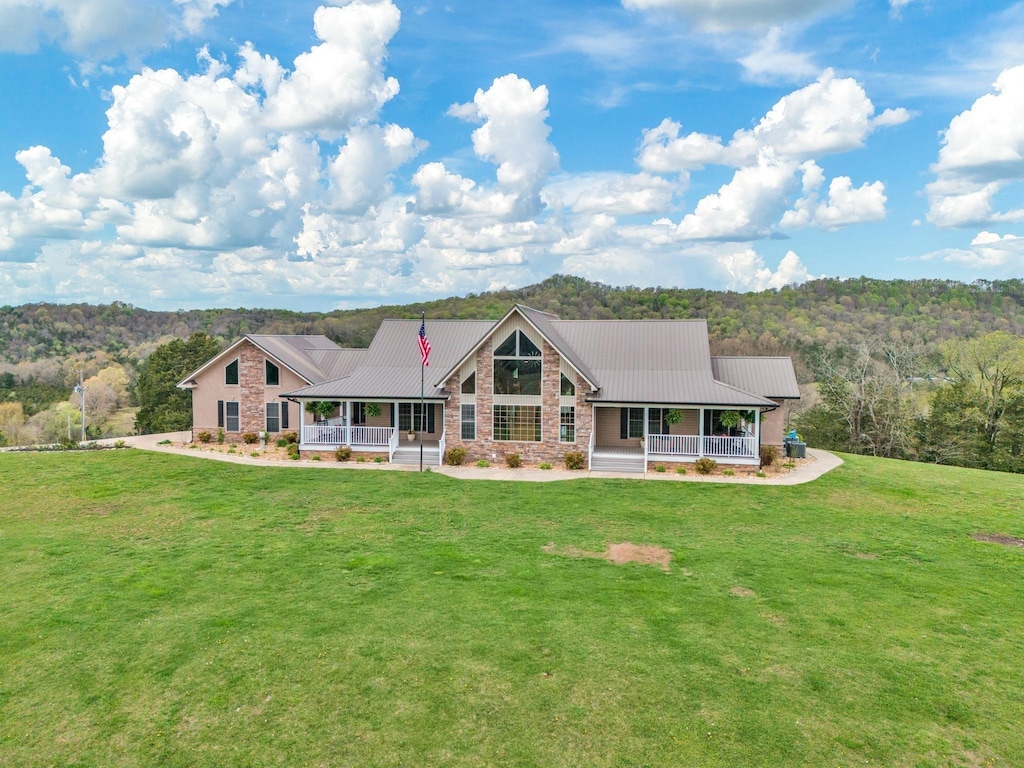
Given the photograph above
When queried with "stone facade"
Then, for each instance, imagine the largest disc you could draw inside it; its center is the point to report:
(549, 449)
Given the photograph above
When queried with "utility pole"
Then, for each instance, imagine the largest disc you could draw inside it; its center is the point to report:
(80, 389)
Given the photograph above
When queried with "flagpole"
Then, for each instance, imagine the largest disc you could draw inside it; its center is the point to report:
(423, 369)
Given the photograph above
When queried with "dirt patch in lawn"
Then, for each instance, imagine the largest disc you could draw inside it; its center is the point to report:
(999, 538)
(620, 554)
(738, 591)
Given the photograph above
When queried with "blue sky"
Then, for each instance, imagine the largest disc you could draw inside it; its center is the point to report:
(202, 153)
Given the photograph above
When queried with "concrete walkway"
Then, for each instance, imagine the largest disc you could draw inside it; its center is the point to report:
(823, 462)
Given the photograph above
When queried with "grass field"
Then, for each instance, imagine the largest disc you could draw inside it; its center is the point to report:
(165, 610)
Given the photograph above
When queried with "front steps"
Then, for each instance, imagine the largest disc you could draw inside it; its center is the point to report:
(411, 455)
(617, 463)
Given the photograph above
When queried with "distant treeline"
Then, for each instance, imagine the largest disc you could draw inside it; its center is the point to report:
(819, 314)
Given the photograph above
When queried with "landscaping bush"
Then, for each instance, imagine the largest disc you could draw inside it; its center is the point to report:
(315, 458)
(575, 460)
(728, 472)
(544, 465)
(344, 453)
(293, 450)
(680, 470)
(255, 454)
(281, 443)
(378, 459)
(204, 437)
(769, 453)
(454, 457)
(483, 463)
(290, 437)
(513, 461)
(705, 466)
(659, 468)
(249, 438)
(220, 437)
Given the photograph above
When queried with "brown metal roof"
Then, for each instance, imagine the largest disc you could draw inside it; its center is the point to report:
(291, 351)
(391, 366)
(337, 362)
(767, 376)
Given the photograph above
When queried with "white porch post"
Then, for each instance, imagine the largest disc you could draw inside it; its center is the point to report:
(700, 434)
(645, 440)
(757, 427)
(302, 422)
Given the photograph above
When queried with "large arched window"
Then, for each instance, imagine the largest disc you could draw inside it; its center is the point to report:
(517, 366)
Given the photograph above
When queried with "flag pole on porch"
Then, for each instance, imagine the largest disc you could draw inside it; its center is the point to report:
(424, 346)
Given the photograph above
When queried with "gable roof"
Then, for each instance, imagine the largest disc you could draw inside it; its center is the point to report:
(768, 376)
(391, 366)
(652, 361)
(293, 352)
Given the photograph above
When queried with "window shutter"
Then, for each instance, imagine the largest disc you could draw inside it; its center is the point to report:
(430, 417)
(624, 423)
(220, 413)
(284, 415)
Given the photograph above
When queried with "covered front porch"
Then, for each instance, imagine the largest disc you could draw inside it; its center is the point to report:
(627, 438)
(399, 428)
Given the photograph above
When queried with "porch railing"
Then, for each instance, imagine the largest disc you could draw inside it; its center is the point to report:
(690, 445)
(440, 449)
(683, 445)
(332, 434)
(392, 445)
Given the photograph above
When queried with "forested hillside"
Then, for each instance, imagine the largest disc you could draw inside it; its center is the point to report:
(899, 368)
(818, 313)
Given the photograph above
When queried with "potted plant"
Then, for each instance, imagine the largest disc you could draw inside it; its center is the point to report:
(322, 410)
(373, 410)
(674, 416)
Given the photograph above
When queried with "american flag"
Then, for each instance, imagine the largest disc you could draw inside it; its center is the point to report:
(424, 343)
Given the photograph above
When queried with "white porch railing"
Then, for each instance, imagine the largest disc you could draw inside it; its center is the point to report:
(734, 447)
(324, 434)
(392, 445)
(680, 445)
(590, 451)
(332, 434)
(690, 445)
(440, 449)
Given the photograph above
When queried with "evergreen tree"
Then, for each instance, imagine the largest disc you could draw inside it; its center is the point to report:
(162, 406)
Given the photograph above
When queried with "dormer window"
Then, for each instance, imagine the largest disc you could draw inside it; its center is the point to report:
(273, 375)
(231, 373)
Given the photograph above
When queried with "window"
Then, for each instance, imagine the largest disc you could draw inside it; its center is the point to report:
(469, 385)
(231, 373)
(469, 422)
(517, 366)
(273, 375)
(410, 417)
(358, 413)
(567, 424)
(273, 417)
(519, 423)
(631, 423)
(657, 423)
(231, 420)
(566, 387)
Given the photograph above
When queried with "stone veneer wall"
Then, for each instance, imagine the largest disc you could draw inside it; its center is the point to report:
(485, 446)
(252, 375)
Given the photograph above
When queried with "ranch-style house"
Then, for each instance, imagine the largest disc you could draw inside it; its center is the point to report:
(626, 394)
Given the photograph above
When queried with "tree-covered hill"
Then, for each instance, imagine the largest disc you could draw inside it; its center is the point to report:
(817, 314)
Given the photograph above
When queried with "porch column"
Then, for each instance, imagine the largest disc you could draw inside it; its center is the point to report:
(348, 422)
(302, 422)
(757, 430)
(700, 434)
(646, 416)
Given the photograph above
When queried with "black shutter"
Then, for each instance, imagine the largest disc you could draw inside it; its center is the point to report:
(220, 413)
(430, 417)
(284, 415)
(624, 423)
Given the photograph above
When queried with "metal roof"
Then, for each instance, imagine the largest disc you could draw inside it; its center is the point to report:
(337, 362)
(291, 351)
(768, 376)
(391, 367)
(652, 361)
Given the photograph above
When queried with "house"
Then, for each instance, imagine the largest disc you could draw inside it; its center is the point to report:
(626, 394)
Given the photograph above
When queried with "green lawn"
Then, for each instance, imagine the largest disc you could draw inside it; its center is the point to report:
(163, 610)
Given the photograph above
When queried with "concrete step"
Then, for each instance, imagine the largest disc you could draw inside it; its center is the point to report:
(618, 464)
(431, 456)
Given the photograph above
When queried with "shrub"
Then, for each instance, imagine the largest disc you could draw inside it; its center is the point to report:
(290, 437)
(293, 450)
(513, 461)
(220, 437)
(680, 470)
(293, 456)
(315, 458)
(454, 457)
(728, 472)
(344, 453)
(249, 438)
(483, 463)
(544, 465)
(204, 437)
(281, 443)
(704, 465)
(378, 459)
(255, 454)
(769, 453)
(162, 442)
(575, 460)
(659, 468)
(760, 474)
(361, 460)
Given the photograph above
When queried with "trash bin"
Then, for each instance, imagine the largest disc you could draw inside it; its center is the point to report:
(796, 449)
